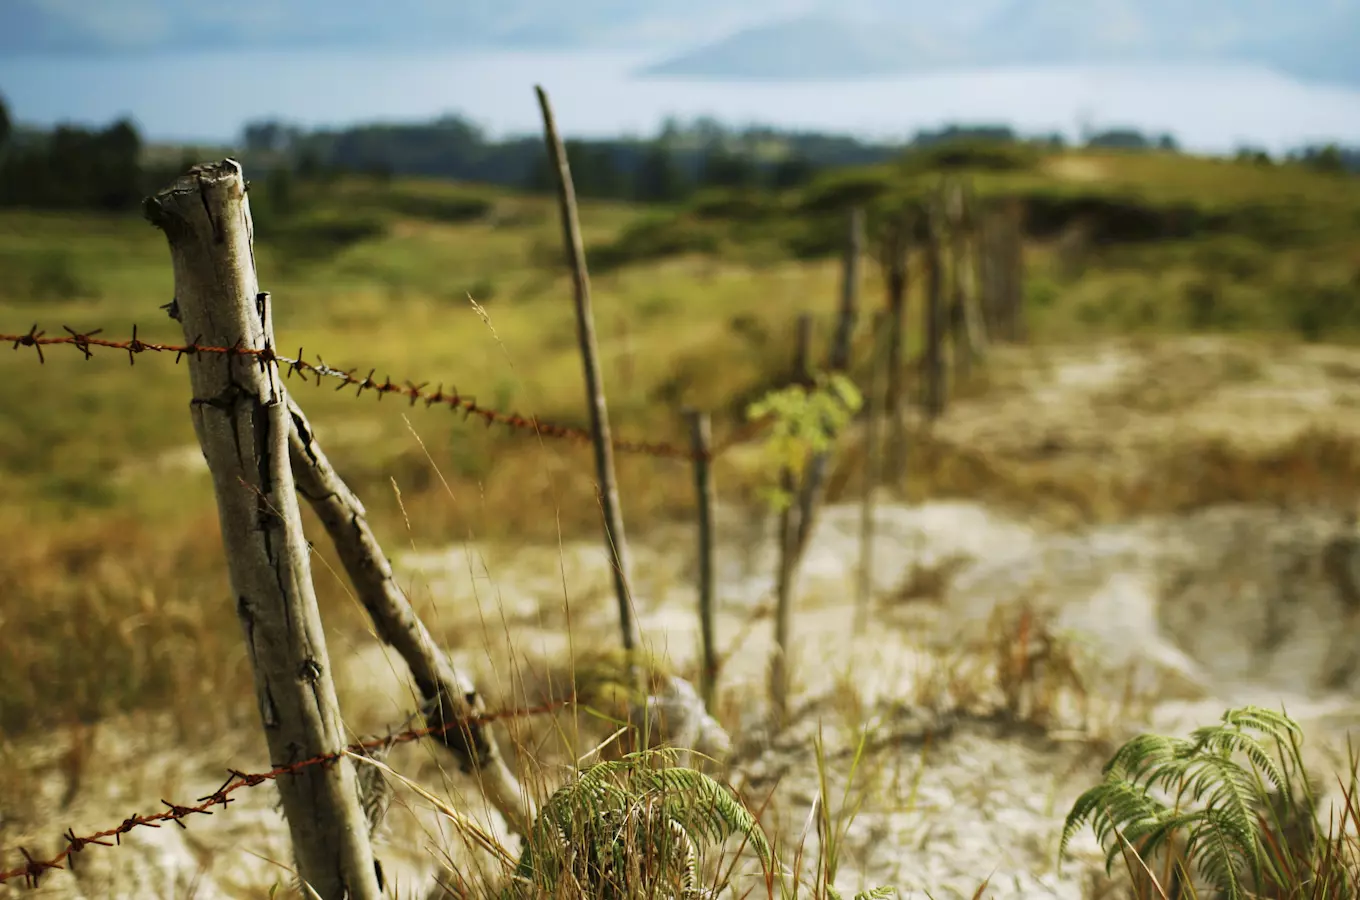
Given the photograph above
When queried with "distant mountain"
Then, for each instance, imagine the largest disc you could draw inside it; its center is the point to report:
(1313, 39)
(771, 39)
(816, 46)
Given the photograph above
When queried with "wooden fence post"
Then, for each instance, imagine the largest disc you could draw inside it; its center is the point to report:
(240, 415)
(701, 446)
(872, 456)
(987, 275)
(967, 336)
(810, 495)
(449, 696)
(895, 254)
(788, 539)
(1015, 269)
(838, 360)
(933, 354)
(616, 543)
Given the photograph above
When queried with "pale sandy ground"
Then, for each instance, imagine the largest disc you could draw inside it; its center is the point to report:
(1243, 603)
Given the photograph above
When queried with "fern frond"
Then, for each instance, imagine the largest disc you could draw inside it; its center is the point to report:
(1113, 808)
(1218, 800)
(1220, 846)
(633, 827)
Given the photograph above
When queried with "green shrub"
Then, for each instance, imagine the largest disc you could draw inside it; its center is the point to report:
(656, 238)
(992, 156)
(1231, 804)
(840, 191)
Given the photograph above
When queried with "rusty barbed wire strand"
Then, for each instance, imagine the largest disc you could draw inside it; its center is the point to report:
(84, 342)
(33, 869)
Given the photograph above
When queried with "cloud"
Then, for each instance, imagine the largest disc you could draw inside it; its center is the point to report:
(125, 24)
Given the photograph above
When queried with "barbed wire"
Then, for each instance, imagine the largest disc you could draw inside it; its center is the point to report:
(85, 342)
(33, 869)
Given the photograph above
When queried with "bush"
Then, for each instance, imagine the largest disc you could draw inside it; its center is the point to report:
(1248, 828)
(1113, 218)
(319, 235)
(54, 278)
(450, 209)
(740, 204)
(1314, 311)
(655, 238)
(991, 156)
(839, 191)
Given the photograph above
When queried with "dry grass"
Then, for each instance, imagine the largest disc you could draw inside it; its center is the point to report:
(112, 582)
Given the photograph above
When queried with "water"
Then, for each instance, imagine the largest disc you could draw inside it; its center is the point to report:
(207, 97)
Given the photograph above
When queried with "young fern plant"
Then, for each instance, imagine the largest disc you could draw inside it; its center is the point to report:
(1221, 809)
(632, 828)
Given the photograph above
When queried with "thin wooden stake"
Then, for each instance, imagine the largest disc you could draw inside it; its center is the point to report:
(701, 444)
(616, 543)
(838, 360)
(788, 538)
(240, 414)
(933, 357)
(872, 457)
(814, 483)
(896, 252)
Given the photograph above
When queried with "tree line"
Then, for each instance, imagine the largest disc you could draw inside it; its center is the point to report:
(75, 167)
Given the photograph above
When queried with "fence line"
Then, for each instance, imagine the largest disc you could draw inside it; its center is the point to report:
(84, 342)
(33, 869)
(842, 347)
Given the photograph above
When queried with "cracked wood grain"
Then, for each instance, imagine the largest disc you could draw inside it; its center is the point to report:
(240, 416)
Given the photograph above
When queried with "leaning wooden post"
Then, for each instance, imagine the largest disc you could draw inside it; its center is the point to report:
(788, 540)
(616, 543)
(872, 457)
(240, 414)
(701, 448)
(449, 700)
(895, 254)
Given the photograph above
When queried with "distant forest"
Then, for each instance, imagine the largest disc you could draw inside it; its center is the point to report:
(112, 168)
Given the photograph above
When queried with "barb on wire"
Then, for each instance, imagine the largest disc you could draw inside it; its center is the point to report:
(33, 869)
(296, 365)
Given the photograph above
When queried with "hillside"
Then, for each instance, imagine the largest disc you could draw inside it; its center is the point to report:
(1175, 442)
(1268, 34)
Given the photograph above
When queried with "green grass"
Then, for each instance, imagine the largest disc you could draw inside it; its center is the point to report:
(695, 307)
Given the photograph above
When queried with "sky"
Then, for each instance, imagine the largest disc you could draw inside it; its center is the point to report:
(589, 66)
(207, 98)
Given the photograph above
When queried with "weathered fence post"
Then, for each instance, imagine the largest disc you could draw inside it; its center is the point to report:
(872, 456)
(1015, 270)
(616, 543)
(701, 446)
(838, 360)
(988, 285)
(810, 495)
(967, 338)
(449, 698)
(788, 539)
(895, 254)
(240, 415)
(933, 353)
